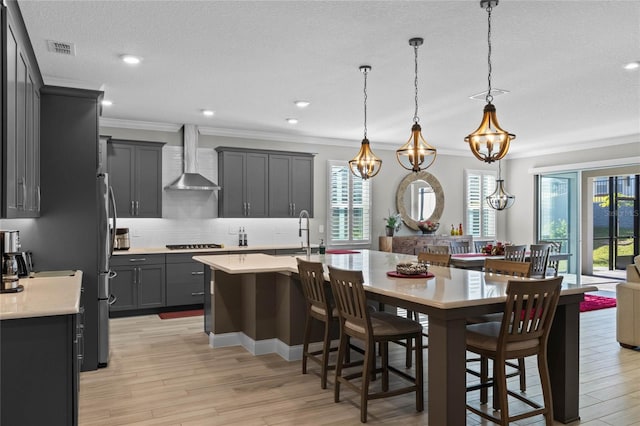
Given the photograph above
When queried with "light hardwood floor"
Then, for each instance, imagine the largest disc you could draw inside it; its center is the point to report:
(162, 372)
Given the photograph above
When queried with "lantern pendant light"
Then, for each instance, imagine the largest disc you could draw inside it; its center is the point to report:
(416, 154)
(365, 164)
(489, 142)
(500, 199)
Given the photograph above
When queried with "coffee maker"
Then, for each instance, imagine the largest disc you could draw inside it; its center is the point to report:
(10, 249)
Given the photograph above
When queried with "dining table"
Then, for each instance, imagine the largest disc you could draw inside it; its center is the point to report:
(449, 296)
(476, 260)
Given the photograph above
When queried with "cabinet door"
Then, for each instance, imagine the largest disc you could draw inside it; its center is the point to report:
(11, 184)
(124, 287)
(151, 286)
(302, 184)
(280, 203)
(121, 166)
(232, 170)
(185, 283)
(148, 181)
(257, 185)
(35, 163)
(21, 134)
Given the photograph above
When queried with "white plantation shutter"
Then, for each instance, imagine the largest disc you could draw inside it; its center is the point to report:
(481, 219)
(349, 206)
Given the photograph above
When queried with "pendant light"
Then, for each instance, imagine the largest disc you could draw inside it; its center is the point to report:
(416, 154)
(365, 164)
(489, 142)
(500, 199)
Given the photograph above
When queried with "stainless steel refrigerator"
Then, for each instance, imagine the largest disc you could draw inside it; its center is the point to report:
(106, 238)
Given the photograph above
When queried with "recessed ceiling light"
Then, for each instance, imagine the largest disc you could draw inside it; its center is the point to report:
(632, 65)
(302, 104)
(292, 120)
(130, 59)
(207, 113)
(106, 102)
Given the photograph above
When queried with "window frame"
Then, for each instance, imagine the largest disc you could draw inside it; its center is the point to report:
(485, 208)
(369, 207)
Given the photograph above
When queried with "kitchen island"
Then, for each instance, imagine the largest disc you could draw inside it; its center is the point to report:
(250, 305)
(41, 341)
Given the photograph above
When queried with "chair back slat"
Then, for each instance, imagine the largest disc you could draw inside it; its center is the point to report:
(556, 248)
(529, 310)
(478, 245)
(539, 258)
(350, 297)
(458, 247)
(437, 249)
(435, 259)
(516, 253)
(313, 286)
(507, 267)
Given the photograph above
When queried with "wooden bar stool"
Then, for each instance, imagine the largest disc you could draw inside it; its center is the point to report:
(356, 321)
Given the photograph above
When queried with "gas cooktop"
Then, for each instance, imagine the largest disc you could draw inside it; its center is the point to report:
(193, 246)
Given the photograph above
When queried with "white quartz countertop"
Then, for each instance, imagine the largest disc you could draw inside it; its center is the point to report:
(43, 297)
(449, 288)
(225, 249)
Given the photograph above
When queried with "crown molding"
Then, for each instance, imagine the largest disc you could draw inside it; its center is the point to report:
(75, 84)
(139, 125)
(561, 148)
(589, 165)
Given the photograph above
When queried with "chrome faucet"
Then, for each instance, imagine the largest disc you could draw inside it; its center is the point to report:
(304, 214)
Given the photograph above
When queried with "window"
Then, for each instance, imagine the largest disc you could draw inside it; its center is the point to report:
(349, 218)
(480, 218)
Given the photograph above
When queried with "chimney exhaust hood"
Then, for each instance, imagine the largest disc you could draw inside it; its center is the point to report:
(191, 179)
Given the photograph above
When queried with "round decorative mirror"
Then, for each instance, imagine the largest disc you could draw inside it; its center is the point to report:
(419, 197)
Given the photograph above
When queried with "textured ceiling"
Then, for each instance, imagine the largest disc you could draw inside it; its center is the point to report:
(562, 62)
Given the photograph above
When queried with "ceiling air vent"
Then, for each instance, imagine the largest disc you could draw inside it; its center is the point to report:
(61, 47)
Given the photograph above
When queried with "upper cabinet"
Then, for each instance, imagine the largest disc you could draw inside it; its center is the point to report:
(21, 133)
(135, 173)
(261, 183)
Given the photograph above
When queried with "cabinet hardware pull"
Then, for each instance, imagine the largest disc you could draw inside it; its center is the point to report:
(197, 273)
(132, 209)
(201, 293)
(137, 208)
(248, 209)
(294, 209)
(139, 259)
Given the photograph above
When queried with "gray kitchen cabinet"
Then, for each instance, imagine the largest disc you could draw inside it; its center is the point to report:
(290, 184)
(185, 280)
(21, 141)
(40, 370)
(264, 183)
(139, 283)
(135, 172)
(244, 178)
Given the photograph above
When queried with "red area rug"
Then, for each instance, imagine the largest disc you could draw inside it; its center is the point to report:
(181, 314)
(592, 303)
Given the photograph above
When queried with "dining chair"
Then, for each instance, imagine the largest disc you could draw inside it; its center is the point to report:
(458, 247)
(478, 245)
(516, 253)
(553, 265)
(356, 321)
(435, 259)
(319, 308)
(523, 331)
(507, 267)
(539, 258)
(430, 248)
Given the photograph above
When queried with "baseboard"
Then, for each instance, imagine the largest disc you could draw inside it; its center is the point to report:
(260, 347)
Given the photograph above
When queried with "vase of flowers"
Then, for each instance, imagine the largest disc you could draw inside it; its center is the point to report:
(393, 224)
(428, 227)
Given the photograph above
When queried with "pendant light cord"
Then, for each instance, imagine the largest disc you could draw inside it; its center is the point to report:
(365, 72)
(489, 97)
(499, 169)
(416, 119)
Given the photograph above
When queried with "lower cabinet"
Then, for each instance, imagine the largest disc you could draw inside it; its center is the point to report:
(185, 280)
(139, 283)
(40, 367)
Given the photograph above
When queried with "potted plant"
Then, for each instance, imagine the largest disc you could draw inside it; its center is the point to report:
(393, 223)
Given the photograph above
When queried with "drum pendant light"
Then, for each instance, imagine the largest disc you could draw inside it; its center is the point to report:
(489, 142)
(365, 164)
(500, 199)
(416, 154)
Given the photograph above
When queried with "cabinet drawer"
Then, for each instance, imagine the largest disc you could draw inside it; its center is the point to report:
(140, 259)
(185, 283)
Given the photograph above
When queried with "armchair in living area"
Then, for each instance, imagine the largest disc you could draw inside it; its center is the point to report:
(628, 312)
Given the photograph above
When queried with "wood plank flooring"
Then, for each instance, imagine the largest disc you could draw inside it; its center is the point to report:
(162, 372)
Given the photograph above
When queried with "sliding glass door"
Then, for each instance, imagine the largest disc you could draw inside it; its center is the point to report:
(558, 201)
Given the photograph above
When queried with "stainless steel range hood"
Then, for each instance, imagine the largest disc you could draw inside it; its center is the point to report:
(191, 179)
